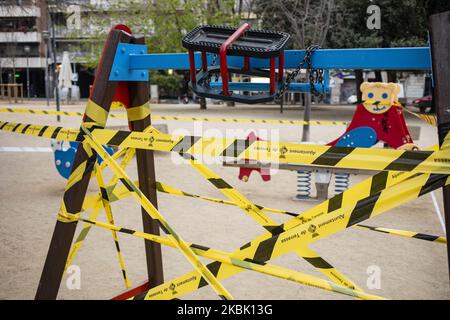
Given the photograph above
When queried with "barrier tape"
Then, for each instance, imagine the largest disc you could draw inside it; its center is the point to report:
(404, 233)
(269, 246)
(161, 187)
(223, 257)
(262, 219)
(428, 118)
(140, 113)
(159, 133)
(164, 188)
(168, 189)
(311, 256)
(154, 213)
(109, 215)
(379, 181)
(94, 201)
(276, 152)
(96, 113)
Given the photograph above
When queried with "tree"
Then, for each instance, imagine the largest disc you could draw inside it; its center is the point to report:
(404, 23)
(307, 21)
(163, 22)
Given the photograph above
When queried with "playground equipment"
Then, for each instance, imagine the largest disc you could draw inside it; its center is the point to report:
(64, 157)
(378, 118)
(381, 112)
(124, 59)
(244, 42)
(244, 173)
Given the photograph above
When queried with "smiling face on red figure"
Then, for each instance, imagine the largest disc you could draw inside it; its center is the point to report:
(379, 97)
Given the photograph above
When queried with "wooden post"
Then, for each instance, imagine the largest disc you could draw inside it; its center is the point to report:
(440, 55)
(139, 96)
(102, 95)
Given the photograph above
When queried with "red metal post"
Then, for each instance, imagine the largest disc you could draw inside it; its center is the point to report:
(281, 66)
(223, 55)
(192, 67)
(246, 63)
(204, 62)
(272, 75)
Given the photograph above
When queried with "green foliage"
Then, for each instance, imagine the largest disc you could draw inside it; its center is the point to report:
(308, 21)
(164, 23)
(169, 85)
(403, 22)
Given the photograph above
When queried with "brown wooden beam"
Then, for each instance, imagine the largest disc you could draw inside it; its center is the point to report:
(139, 95)
(102, 94)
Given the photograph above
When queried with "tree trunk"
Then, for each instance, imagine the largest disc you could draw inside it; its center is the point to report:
(359, 80)
(392, 76)
(378, 77)
(202, 103)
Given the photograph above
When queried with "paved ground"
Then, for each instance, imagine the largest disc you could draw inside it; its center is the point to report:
(31, 190)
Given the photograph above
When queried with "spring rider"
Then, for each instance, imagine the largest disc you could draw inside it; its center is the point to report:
(244, 173)
(65, 156)
(378, 118)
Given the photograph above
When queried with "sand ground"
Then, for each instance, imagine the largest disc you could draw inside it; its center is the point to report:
(31, 190)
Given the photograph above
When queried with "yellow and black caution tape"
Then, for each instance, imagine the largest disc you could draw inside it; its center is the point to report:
(270, 225)
(274, 152)
(165, 188)
(376, 183)
(94, 202)
(107, 206)
(224, 258)
(89, 139)
(154, 213)
(404, 233)
(162, 187)
(428, 118)
(308, 254)
(272, 245)
(122, 192)
(176, 118)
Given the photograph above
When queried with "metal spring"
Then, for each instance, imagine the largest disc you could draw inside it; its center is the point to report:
(342, 182)
(303, 184)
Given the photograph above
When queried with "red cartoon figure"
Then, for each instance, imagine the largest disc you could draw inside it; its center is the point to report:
(381, 115)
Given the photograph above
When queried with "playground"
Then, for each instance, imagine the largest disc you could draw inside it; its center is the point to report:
(410, 268)
(118, 198)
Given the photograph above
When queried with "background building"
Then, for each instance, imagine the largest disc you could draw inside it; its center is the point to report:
(27, 28)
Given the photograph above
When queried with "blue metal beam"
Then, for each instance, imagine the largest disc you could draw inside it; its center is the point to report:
(370, 58)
